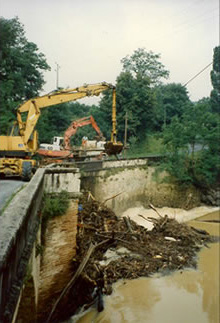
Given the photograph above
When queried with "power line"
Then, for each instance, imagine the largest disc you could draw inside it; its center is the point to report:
(198, 74)
(193, 20)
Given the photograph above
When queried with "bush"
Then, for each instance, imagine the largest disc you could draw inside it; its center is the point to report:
(55, 205)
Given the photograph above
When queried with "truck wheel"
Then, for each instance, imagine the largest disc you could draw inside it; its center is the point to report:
(2, 175)
(26, 172)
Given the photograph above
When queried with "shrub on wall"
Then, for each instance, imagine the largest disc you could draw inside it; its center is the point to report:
(55, 204)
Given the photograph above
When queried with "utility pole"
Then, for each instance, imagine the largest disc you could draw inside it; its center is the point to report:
(57, 74)
(126, 130)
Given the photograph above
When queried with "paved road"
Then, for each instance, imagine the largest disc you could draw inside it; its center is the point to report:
(7, 188)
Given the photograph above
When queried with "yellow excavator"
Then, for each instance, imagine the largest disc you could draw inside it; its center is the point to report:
(17, 149)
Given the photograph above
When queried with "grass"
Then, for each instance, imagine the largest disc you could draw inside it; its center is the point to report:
(152, 145)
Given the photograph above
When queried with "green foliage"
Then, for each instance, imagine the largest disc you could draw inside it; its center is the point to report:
(192, 143)
(134, 96)
(21, 67)
(145, 65)
(55, 120)
(215, 78)
(171, 100)
(55, 205)
(39, 249)
(151, 145)
(133, 143)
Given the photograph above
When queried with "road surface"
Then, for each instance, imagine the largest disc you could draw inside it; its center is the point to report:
(7, 188)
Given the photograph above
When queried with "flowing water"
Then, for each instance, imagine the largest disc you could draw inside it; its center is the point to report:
(184, 296)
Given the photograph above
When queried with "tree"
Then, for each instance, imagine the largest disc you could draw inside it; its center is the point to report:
(21, 66)
(171, 100)
(192, 144)
(145, 64)
(215, 79)
(134, 96)
(56, 119)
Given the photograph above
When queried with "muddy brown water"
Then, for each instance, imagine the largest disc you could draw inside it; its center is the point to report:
(183, 296)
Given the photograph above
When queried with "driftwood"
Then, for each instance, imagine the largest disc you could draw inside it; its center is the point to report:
(81, 267)
(143, 217)
(115, 238)
(214, 221)
(159, 223)
(110, 198)
(200, 231)
(149, 252)
(153, 208)
(128, 223)
(90, 195)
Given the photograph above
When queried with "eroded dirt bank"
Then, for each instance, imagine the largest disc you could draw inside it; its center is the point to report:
(137, 252)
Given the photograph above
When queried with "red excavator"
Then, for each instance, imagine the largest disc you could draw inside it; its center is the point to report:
(78, 124)
(61, 147)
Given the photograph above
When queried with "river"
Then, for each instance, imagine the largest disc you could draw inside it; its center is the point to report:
(184, 296)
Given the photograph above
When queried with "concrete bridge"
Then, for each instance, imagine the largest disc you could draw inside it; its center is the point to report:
(20, 225)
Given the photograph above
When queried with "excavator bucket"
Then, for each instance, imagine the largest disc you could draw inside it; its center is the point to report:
(113, 148)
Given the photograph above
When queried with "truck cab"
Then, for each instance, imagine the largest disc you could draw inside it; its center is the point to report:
(57, 144)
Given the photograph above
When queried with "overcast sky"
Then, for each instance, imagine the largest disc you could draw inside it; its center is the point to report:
(88, 38)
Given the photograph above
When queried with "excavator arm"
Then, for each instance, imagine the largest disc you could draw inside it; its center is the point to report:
(113, 147)
(78, 124)
(17, 149)
(33, 106)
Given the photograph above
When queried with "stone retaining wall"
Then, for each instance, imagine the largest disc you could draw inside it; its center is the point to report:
(137, 186)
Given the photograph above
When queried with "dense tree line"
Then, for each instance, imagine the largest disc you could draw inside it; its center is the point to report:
(21, 67)
(189, 130)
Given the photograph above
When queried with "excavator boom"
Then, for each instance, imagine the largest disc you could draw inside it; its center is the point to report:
(16, 149)
(113, 147)
(33, 106)
(78, 124)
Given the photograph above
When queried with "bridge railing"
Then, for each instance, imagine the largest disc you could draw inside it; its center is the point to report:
(19, 224)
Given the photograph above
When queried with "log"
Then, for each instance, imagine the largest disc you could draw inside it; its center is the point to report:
(143, 217)
(81, 267)
(128, 223)
(110, 198)
(200, 231)
(153, 208)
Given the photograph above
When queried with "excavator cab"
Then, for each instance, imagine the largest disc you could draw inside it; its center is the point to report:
(113, 147)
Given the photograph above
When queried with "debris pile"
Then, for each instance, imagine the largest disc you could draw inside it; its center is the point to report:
(135, 251)
(169, 246)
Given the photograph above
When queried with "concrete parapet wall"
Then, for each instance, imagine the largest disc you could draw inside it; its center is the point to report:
(19, 224)
(98, 165)
(124, 163)
(62, 179)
